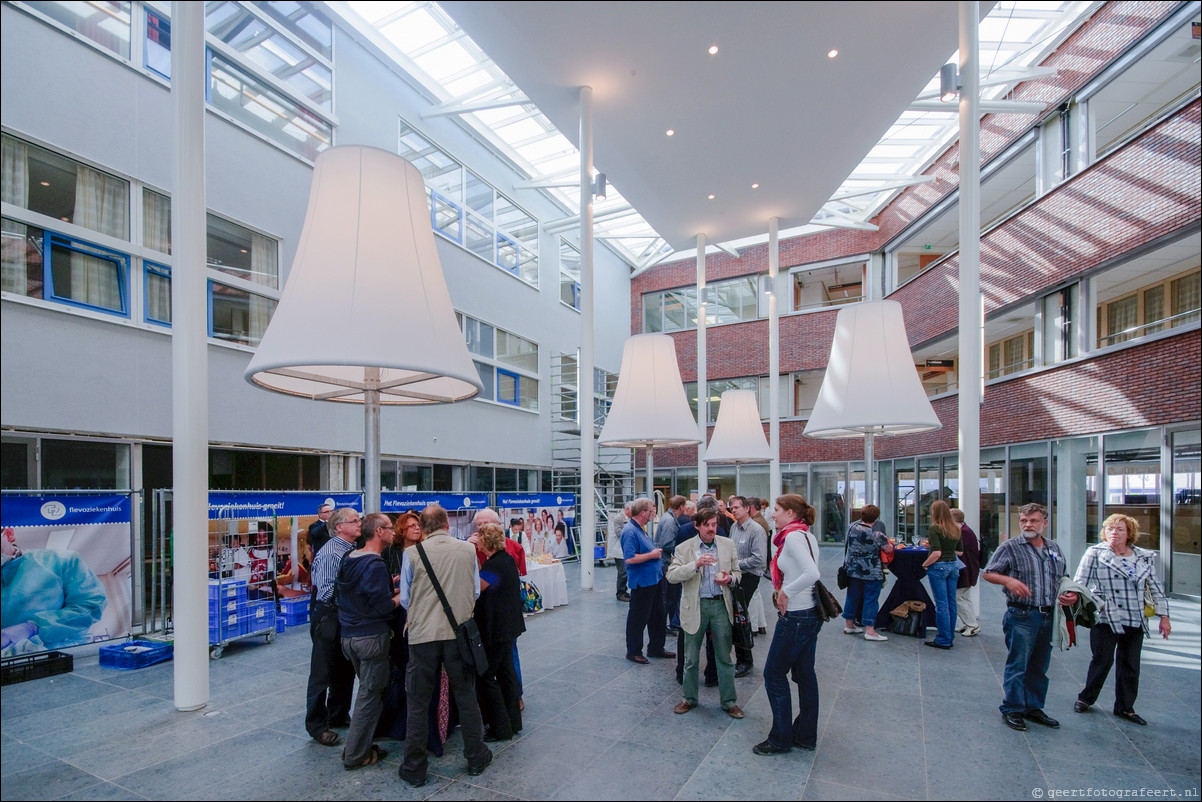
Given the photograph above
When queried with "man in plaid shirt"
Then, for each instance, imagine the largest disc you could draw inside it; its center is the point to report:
(1029, 569)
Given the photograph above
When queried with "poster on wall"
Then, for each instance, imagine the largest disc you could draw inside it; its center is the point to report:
(66, 571)
(461, 507)
(547, 521)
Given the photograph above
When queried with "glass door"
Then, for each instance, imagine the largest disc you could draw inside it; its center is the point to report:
(1186, 529)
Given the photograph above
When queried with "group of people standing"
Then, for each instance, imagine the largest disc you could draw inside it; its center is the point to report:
(390, 613)
(1116, 587)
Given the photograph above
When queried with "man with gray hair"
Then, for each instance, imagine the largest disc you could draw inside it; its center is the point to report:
(331, 675)
(643, 573)
(617, 522)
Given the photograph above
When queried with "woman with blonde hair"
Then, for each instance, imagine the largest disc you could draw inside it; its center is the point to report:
(943, 571)
(1122, 578)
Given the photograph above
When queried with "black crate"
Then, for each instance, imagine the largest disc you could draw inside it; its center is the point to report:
(35, 666)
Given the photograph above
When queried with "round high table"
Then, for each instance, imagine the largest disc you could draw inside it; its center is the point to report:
(907, 567)
(551, 582)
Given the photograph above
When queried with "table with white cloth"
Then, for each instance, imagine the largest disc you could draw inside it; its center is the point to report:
(551, 582)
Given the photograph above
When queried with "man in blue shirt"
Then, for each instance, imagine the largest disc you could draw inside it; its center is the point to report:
(643, 573)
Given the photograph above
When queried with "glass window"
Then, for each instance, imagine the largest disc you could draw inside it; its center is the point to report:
(830, 502)
(1187, 506)
(505, 479)
(417, 478)
(486, 378)
(306, 24)
(653, 313)
(86, 275)
(479, 479)
(517, 351)
(1154, 308)
(833, 285)
(907, 499)
(479, 238)
(447, 218)
(1122, 316)
(1187, 298)
(1075, 494)
(569, 274)
(500, 347)
(156, 293)
(241, 252)
(1059, 325)
(105, 23)
(1029, 481)
(156, 49)
(237, 316)
(265, 111)
(1133, 481)
(993, 499)
(23, 271)
(271, 52)
(479, 336)
(156, 221)
(73, 465)
(56, 186)
(16, 464)
(480, 196)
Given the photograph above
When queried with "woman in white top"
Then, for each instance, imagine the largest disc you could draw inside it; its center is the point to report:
(794, 572)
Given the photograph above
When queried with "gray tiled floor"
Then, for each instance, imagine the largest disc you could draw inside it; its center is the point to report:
(897, 721)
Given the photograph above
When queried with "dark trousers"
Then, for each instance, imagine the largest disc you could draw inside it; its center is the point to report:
(331, 675)
(499, 691)
(1106, 647)
(369, 656)
(746, 589)
(621, 585)
(421, 682)
(792, 654)
(671, 601)
(646, 612)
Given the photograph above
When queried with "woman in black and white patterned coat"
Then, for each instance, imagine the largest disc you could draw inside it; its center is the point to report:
(1119, 574)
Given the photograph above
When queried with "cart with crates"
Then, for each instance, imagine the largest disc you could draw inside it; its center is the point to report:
(243, 595)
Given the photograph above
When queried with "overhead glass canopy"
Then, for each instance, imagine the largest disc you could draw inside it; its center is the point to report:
(431, 47)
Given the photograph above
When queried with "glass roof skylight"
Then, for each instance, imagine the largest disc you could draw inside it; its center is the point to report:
(429, 45)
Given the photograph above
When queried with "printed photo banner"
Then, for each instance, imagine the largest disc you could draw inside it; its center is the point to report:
(67, 564)
(541, 514)
(415, 502)
(267, 504)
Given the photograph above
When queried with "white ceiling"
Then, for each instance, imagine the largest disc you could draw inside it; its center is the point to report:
(769, 107)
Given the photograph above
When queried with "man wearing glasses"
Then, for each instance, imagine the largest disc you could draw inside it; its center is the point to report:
(331, 676)
(366, 602)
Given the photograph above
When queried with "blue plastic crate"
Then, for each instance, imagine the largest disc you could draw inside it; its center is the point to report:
(294, 619)
(224, 627)
(280, 624)
(218, 606)
(257, 617)
(227, 589)
(294, 605)
(134, 654)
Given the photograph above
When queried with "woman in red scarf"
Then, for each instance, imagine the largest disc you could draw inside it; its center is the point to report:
(794, 571)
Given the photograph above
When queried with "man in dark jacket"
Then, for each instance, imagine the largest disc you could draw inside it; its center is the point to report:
(319, 532)
(968, 592)
(366, 602)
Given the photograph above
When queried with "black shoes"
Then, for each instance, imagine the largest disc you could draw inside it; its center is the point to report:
(623, 597)
(412, 779)
(1014, 721)
(1133, 717)
(766, 748)
(807, 747)
(938, 645)
(711, 683)
(478, 769)
(742, 670)
(1079, 706)
(665, 655)
(1040, 717)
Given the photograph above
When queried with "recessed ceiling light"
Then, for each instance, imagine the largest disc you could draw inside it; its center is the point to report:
(670, 132)
(44, 183)
(832, 53)
(755, 186)
(711, 197)
(713, 50)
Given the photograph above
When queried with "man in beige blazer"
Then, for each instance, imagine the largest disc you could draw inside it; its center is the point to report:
(706, 568)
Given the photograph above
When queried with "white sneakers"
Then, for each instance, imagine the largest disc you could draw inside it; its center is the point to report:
(877, 636)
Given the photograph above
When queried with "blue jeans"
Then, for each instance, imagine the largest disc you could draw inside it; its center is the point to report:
(862, 602)
(943, 577)
(792, 651)
(1029, 639)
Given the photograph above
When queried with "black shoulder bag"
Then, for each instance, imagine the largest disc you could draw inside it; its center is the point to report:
(467, 634)
(827, 605)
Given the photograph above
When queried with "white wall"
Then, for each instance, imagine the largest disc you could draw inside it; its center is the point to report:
(71, 372)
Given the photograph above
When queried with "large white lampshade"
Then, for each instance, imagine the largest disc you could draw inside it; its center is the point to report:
(871, 385)
(649, 407)
(365, 292)
(738, 434)
(365, 316)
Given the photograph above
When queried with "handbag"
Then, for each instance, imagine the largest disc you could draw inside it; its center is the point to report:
(741, 633)
(1149, 601)
(828, 606)
(908, 619)
(841, 578)
(467, 634)
(532, 597)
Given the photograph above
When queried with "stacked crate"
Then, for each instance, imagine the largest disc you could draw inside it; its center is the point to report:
(295, 610)
(227, 601)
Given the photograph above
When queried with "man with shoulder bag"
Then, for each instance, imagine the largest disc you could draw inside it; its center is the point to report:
(437, 575)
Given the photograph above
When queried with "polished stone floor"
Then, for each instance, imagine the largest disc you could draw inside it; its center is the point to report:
(898, 721)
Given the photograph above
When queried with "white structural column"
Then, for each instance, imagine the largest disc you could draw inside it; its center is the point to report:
(371, 440)
(970, 345)
(189, 360)
(703, 392)
(774, 483)
(584, 401)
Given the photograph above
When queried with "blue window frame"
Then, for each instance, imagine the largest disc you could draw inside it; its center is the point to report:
(156, 294)
(508, 384)
(508, 254)
(157, 50)
(80, 274)
(446, 217)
